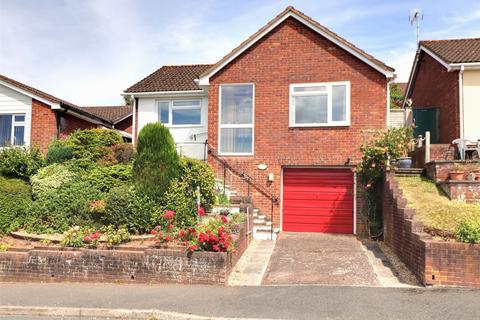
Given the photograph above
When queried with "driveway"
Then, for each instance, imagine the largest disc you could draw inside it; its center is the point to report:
(315, 258)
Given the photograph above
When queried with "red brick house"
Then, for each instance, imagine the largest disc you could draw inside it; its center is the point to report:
(285, 114)
(30, 117)
(444, 89)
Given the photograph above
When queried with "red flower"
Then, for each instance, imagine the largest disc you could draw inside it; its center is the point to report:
(191, 230)
(154, 232)
(86, 239)
(224, 219)
(192, 248)
(182, 233)
(216, 247)
(203, 237)
(95, 235)
(201, 212)
(168, 214)
(168, 238)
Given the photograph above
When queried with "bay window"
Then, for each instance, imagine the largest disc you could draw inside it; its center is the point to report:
(180, 112)
(12, 130)
(320, 104)
(236, 119)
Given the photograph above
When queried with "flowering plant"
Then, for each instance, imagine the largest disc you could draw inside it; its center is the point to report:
(92, 238)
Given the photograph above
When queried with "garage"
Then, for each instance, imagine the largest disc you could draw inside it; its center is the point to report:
(318, 200)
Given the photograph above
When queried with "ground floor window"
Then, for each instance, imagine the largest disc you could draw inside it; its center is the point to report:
(12, 130)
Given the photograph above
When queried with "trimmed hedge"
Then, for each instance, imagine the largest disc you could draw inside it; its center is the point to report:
(15, 198)
(17, 162)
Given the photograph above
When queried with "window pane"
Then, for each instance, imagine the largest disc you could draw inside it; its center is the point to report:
(20, 118)
(5, 130)
(236, 140)
(311, 109)
(339, 103)
(186, 116)
(307, 89)
(188, 103)
(163, 112)
(18, 135)
(237, 104)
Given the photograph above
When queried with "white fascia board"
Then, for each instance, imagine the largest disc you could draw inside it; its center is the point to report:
(80, 116)
(166, 93)
(440, 60)
(53, 105)
(466, 66)
(205, 80)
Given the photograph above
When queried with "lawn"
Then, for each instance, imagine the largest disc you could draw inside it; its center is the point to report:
(433, 208)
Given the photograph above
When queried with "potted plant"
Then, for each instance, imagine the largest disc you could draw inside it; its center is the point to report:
(476, 172)
(457, 172)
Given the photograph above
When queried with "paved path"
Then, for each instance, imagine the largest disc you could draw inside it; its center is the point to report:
(314, 258)
(251, 267)
(282, 302)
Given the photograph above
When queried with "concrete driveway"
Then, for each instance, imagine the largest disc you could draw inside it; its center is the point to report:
(325, 259)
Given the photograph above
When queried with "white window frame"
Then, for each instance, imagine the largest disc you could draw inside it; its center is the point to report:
(235, 126)
(171, 108)
(328, 91)
(17, 124)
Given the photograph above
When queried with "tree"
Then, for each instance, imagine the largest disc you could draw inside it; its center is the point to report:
(128, 100)
(157, 162)
(396, 96)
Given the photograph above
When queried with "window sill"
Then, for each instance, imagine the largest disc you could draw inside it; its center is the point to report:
(235, 154)
(319, 125)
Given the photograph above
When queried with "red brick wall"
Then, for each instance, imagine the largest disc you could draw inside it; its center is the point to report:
(70, 123)
(292, 53)
(434, 86)
(125, 125)
(437, 152)
(433, 262)
(44, 125)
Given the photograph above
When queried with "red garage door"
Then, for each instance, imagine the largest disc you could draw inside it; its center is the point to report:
(318, 200)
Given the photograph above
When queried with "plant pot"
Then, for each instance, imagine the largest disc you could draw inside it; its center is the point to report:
(477, 177)
(456, 175)
(404, 163)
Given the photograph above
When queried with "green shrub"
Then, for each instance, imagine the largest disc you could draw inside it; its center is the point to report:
(14, 199)
(125, 206)
(91, 144)
(20, 162)
(469, 231)
(57, 210)
(179, 198)
(156, 162)
(73, 237)
(59, 152)
(196, 173)
(119, 153)
(106, 178)
(114, 236)
(50, 178)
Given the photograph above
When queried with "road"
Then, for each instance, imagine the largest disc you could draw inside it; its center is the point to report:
(279, 302)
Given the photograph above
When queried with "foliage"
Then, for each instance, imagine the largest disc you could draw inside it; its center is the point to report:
(120, 153)
(91, 144)
(128, 100)
(126, 206)
(106, 178)
(396, 96)
(17, 162)
(214, 234)
(222, 199)
(14, 199)
(196, 173)
(114, 236)
(78, 237)
(469, 231)
(59, 152)
(385, 146)
(50, 178)
(73, 237)
(179, 198)
(56, 210)
(4, 247)
(156, 162)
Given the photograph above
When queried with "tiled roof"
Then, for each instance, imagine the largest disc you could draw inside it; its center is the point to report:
(313, 22)
(112, 114)
(455, 50)
(170, 78)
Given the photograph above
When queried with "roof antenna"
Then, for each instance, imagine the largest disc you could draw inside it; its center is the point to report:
(415, 16)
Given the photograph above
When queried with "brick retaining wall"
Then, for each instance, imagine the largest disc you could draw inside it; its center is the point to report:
(433, 262)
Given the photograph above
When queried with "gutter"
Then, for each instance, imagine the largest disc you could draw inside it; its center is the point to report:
(86, 116)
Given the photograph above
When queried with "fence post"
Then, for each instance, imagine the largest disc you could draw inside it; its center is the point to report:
(427, 146)
(420, 141)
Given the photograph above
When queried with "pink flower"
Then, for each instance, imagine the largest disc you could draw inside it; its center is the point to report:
(86, 239)
(192, 248)
(154, 232)
(168, 214)
(216, 248)
(224, 219)
(168, 238)
(95, 235)
(201, 212)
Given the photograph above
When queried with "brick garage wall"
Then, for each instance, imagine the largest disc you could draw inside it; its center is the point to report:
(435, 87)
(292, 53)
(69, 124)
(125, 125)
(433, 262)
(121, 265)
(44, 125)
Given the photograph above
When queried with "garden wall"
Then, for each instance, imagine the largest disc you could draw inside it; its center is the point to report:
(433, 262)
(121, 265)
(437, 152)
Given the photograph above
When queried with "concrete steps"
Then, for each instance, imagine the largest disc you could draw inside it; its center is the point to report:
(262, 227)
(408, 172)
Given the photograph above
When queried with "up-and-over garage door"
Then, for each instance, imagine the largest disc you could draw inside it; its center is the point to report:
(318, 200)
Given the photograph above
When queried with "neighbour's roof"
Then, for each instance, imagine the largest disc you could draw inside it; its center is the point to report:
(112, 114)
(171, 78)
(455, 50)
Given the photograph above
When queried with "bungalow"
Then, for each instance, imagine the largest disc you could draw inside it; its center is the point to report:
(287, 110)
(30, 117)
(444, 89)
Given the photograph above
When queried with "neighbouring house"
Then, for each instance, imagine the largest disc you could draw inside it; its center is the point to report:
(444, 89)
(287, 111)
(31, 117)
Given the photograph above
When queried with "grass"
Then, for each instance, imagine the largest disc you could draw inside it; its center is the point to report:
(433, 208)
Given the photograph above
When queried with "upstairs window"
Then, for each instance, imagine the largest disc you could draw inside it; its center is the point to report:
(236, 119)
(12, 130)
(180, 112)
(320, 104)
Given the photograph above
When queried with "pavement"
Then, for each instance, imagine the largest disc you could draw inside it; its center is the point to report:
(260, 302)
(315, 258)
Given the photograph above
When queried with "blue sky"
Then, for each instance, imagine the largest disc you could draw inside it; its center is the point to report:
(88, 52)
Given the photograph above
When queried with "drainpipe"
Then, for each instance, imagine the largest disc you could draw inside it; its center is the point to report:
(460, 98)
(389, 82)
(58, 118)
(134, 121)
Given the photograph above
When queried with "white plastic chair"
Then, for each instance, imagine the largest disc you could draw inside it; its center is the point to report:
(462, 146)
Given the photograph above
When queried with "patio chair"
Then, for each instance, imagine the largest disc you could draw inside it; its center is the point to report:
(463, 147)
